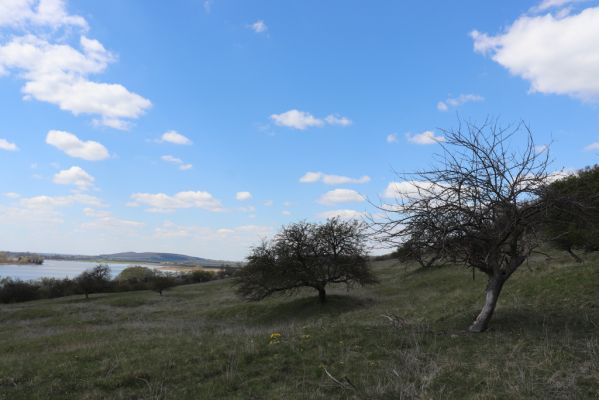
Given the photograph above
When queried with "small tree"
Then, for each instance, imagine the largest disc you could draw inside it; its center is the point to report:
(307, 255)
(94, 280)
(482, 204)
(162, 281)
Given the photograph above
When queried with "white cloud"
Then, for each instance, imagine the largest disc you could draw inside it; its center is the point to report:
(338, 120)
(392, 138)
(175, 137)
(296, 119)
(74, 147)
(311, 177)
(74, 176)
(301, 120)
(50, 13)
(243, 196)
(104, 220)
(12, 195)
(286, 213)
(458, 101)
(58, 74)
(8, 146)
(43, 201)
(244, 235)
(541, 148)
(426, 137)
(161, 202)
(592, 146)
(259, 26)
(171, 159)
(344, 214)
(548, 4)
(176, 161)
(341, 196)
(407, 189)
(556, 54)
(268, 203)
(208, 5)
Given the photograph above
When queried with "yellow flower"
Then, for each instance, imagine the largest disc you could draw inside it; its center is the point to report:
(275, 337)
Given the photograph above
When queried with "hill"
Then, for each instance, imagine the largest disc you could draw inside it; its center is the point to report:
(163, 258)
(146, 257)
(403, 339)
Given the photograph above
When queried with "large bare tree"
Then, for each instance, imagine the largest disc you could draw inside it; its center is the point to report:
(481, 204)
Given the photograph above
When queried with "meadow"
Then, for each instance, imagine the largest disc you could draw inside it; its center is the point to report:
(405, 338)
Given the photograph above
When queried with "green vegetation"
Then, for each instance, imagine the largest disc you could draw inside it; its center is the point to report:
(402, 339)
(24, 259)
(97, 280)
(309, 255)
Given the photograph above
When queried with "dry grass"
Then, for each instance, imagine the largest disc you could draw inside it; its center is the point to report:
(402, 339)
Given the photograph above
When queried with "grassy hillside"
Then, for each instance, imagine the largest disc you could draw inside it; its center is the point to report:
(402, 339)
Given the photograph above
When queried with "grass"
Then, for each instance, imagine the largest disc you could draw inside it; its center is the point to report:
(405, 338)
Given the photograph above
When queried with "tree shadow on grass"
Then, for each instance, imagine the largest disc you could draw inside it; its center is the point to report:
(309, 308)
(554, 321)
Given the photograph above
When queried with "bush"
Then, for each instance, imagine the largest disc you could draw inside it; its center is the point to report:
(14, 291)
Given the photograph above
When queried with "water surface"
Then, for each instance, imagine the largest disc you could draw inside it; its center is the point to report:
(55, 269)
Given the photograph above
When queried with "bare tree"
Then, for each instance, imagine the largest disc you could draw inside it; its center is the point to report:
(307, 255)
(481, 204)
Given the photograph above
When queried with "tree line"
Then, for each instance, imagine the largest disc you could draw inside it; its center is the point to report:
(99, 280)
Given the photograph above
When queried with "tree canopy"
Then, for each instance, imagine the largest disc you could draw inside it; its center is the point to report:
(307, 254)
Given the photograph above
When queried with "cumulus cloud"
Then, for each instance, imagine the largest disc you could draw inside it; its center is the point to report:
(75, 147)
(177, 161)
(259, 26)
(556, 54)
(243, 196)
(392, 138)
(343, 214)
(426, 137)
(458, 101)
(161, 202)
(175, 137)
(311, 177)
(302, 120)
(76, 176)
(59, 74)
(8, 146)
(50, 13)
(337, 120)
(341, 196)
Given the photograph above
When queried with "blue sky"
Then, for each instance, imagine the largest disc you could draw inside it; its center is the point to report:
(200, 127)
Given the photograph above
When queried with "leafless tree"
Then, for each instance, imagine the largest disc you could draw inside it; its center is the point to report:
(481, 204)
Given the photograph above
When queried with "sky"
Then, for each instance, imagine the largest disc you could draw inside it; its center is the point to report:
(202, 126)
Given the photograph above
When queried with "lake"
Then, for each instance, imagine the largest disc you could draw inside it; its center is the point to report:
(55, 269)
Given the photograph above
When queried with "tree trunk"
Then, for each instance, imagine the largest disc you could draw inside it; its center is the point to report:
(492, 292)
(86, 295)
(578, 259)
(322, 295)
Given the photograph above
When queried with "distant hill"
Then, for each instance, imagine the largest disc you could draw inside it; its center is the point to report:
(146, 257)
(162, 258)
